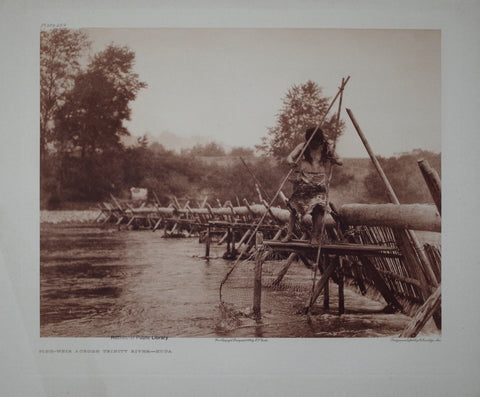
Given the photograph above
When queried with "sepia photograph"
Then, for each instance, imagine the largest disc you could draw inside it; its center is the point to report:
(240, 183)
(229, 198)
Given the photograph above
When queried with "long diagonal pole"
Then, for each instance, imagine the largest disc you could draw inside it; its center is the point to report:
(255, 179)
(284, 181)
(322, 228)
(425, 263)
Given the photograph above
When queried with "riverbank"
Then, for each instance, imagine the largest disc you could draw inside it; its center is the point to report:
(68, 216)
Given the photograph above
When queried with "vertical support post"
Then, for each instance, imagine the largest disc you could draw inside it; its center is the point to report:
(229, 239)
(257, 284)
(326, 296)
(433, 182)
(207, 243)
(341, 295)
(320, 285)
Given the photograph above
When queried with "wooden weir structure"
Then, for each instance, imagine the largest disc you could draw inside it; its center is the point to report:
(364, 246)
(372, 247)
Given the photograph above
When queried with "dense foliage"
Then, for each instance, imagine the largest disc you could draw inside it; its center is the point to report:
(60, 51)
(82, 116)
(405, 177)
(304, 106)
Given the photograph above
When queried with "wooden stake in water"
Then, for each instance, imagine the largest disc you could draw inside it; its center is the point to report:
(207, 243)
(341, 294)
(257, 284)
(431, 305)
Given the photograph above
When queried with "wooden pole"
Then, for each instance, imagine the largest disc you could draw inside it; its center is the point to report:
(358, 277)
(424, 262)
(258, 185)
(341, 292)
(326, 296)
(229, 240)
(257, 284)
(380, 284)
(157, 201)
(320, 285)
(431, 305)
(155, 227)
(322, 227)
(308, 264)
(224, 237)
(433, 182)
(116, 202)
(378, 167)
(288, 263)
(242, 240)
(100, 214)
(176, 203)
(435, 187)
(277, 234)
(233, 237)
(207, 244)
(285, 268)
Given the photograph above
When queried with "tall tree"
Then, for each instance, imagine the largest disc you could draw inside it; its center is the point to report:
(95, 109)
(60, 51)
(90, 123)
(304, 106)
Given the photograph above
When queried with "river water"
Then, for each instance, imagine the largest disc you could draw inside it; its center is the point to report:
(102, 282)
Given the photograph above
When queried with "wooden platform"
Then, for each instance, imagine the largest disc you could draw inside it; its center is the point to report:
(335, 249)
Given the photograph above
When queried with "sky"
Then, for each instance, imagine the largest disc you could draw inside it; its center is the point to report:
(227, 85)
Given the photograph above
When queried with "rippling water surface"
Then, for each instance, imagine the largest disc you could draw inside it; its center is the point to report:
(97, 282)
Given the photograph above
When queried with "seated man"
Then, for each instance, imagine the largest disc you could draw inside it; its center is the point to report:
(310, 181)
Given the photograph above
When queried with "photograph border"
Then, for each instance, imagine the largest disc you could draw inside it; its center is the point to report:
(209, 366)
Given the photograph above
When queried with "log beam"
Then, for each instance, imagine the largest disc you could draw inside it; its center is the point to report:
(410, 216)
(399, 216)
